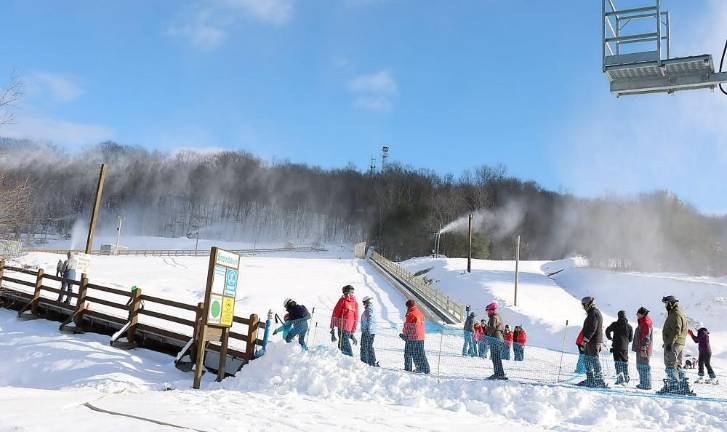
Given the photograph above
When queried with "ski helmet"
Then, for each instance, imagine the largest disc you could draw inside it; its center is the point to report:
(642, 311)
(366, 299)
(670, 299)
(587, 301)
(347, 289)
(288, 302)
(491, 307)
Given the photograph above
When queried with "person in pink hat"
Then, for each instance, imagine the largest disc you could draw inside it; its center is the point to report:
(494, 333)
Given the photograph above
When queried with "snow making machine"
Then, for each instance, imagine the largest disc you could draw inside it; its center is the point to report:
(637, 57)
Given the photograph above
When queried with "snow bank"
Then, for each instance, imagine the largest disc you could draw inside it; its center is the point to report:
(325, 373)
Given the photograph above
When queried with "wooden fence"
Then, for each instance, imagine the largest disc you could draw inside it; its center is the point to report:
(437, 301)
(179, 252)
(122, 316)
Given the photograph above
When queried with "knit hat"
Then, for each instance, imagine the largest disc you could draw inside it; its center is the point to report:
(347, 289)
(366, 299)
(491, 307)
(642, 311)
(410, 303)
(670, 299)
(621, 314)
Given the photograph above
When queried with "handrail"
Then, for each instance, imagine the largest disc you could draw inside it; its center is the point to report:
(179, 252)
(421, 288)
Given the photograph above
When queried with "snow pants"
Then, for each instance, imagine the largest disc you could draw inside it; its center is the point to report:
(705, 360)
(621, 362)
(368, 355)
(299, 329)
(469, 343)
(67, 285)
(519, 351)
(594, 372)
(642, 365)
(505, 351)
(344, 342)
(483, 347)
(496, 350)
(414, 351)
(673, 362)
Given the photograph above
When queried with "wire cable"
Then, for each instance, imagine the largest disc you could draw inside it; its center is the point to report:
(721, 63)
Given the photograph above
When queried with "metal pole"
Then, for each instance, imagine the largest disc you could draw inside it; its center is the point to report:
(196, 243)
(469, 248)
(94, 210)
(118, 235)
(517, 266)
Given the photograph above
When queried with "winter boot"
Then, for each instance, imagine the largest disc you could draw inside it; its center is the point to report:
(620, 379)
(500, 377)
(683, 388)
(712, 380)
(699, 379)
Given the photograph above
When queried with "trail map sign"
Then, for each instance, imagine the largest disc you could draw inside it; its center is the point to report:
(219, 306)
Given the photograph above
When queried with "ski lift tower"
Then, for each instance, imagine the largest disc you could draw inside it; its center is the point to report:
(637, 56)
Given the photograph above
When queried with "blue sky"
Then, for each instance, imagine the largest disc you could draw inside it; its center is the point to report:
(448, 85)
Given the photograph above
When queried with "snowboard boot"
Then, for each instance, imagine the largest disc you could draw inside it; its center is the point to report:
(714, 381)
(620, 380)
(496, 377)
(699, 380)
(669, 386)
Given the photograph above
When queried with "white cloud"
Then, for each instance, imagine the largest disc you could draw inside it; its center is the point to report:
(209, 23)
(375, 91)
(57, 131)
(57, 87)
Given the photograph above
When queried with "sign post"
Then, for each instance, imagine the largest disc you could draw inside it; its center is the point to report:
(218, 309)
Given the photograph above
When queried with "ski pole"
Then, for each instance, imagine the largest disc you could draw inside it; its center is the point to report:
(562, 350)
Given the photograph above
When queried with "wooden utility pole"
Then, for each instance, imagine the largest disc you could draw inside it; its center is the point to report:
(94, 210)
(469, 248)
(517, 266)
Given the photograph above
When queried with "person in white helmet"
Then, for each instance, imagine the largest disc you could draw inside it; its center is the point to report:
(368, 332)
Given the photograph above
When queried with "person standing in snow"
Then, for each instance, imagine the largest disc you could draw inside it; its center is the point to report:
(592, 340)
(59, 268)
(368, 332)
(344, 320)
(620, 333)
(297, 318)
(468, 347)
(478, 336)
(483, 348)
(519, 339)
(413, 336)
(494, 334)
(581, 365)
(69, 275)
(507, 337)
(642, 347)
(705, 355)
(674, 334)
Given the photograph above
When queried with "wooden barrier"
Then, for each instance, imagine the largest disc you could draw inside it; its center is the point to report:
(160, 337)
(180, 252)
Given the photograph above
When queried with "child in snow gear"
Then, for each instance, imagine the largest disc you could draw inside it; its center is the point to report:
(705, 355)
(479, 336)
(59, 268)
(413, 336)
(620, 333)
(469, 344)
(296, 322)
(507, 337)
(592, 340)
(519, 339)
(368, 332)
(642, 347)
(581, 365)
(494, 333)
(69, 275)
(483, 347)
(674, 335)
(344, 320)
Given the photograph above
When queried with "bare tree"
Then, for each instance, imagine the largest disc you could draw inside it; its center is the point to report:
(9, 97)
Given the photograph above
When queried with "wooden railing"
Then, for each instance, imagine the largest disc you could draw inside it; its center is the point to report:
(424, 290)
(179, 252)
(176, 324)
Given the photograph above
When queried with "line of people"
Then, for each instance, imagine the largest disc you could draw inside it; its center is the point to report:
(476, 342)
(622, 335)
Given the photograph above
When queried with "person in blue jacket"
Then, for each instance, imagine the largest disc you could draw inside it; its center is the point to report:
(296, 322)
(368, 332)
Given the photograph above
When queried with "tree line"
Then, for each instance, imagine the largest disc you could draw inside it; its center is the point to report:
(234, 195)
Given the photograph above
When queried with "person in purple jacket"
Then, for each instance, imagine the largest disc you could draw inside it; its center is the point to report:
(705, 355)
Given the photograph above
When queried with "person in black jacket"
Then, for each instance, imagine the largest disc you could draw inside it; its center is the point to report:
(592, 340)
(298, 317)
(620, 333)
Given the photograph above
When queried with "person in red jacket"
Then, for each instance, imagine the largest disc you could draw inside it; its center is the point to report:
(507, 336)
(344, 319)
(478, 337)
(519, 338)
(581, 365)
(413, 336)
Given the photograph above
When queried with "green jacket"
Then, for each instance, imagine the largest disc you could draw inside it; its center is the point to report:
(675, 327)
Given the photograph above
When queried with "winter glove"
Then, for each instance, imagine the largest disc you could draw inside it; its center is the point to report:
(354, 340)
(333, 335)
(401, 335)
(691, 333)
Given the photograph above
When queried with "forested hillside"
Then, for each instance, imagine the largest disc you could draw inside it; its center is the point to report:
(235, 195)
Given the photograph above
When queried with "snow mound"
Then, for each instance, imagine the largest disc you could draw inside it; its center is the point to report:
(324, 373)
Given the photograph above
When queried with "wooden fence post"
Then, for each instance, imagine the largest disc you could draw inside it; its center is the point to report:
(36, 293)
(134, 315)
(81, 300)
(2, 269)
(251, 337)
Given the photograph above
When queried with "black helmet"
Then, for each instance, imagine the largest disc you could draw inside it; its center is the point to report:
(587, 301)
(642, 311)
(670, 299)
(347, 289)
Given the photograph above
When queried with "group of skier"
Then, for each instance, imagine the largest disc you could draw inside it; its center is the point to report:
(622, 334)
(477, 340)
